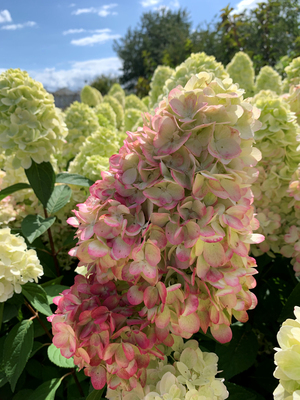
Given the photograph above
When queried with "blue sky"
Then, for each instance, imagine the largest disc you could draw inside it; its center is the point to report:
(64, 43)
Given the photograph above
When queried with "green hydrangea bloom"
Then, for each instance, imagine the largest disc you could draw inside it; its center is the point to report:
(132, 116)
(196, 63)
(118, 110)
(161, 74)
(132, 101)
(293, 99)
(146, 101)
(278, 143)
(241, 71)
(105, 110)
(293, 72)
(81, 122)
(29, 125)
(93, 156)
(118, 93)
(90, 96)
(268, 79)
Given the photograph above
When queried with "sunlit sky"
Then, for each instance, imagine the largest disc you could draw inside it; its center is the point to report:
(65, 44)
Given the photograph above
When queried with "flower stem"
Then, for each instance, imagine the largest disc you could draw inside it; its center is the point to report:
(52, 246)
(36, 314)
(77, 383)
(1, 313)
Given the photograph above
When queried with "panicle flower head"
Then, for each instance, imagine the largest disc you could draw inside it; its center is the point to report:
(196, 63)
(81, 122)
(90, 96)
(105, 110)
(191, 377)
(118, 110)
(165, 236)
(161, 74)
(30, 127)
(18, 265)
(268, 79)
(293, 99)
(241, 71)
(287, 359)
(132, 101)
(293, 72)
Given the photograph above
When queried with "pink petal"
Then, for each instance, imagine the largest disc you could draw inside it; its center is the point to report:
(97, 249)
(134, 295)
(189, 323)
(120, 249)
(222, 333)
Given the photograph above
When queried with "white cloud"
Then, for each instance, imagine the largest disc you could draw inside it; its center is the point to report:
(175, 4)
(5, 16)
(13, 27)
(94, 39)
(73, 31)
(103, 11)
(72, 5)
(245, 5)
(79, 73)
(150, 3)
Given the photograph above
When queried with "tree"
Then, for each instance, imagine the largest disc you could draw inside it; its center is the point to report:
(162, 38)
(104, 82)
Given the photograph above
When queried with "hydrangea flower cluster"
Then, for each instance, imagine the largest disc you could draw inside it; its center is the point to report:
(165, 236)
(241, 71)
(293, 72)
(133, 119)
(191, 377)
(132, 101)
(287, 359)
(90, 96)
(161, 74)
(118, 93)
(94, 154)
(293, 99)
(104, 110)
(277, 140)
(196, 63)
(29, 125)
(81, 122)
(118, 110)
(268, 79)
(18, 265)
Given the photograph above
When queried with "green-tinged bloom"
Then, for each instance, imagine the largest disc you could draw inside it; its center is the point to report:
(161, 74)
(81, 122)
(29, 125)
(118, 110)
(277, 140)
(241, 71)
(105, 110)
(146, 101)
(268, 79)
(91, 96)
(94, 154)
(293, 72)
(293, 99)
(132, 119)
(118, 93)
(18, 265)
(191, 377)
(132, 101)
(196, 63)
(287, 359)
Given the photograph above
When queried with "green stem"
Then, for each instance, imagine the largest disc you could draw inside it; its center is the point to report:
(52, 246)
(36, 315)
(1, 313)
(77, 382)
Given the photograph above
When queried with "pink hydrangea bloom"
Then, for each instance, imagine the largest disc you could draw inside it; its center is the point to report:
(165, 236)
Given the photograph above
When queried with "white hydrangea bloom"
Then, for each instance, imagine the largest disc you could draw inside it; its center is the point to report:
(18, 265)
(287, 359)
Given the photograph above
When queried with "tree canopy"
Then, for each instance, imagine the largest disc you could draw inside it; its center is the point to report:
(266, 33)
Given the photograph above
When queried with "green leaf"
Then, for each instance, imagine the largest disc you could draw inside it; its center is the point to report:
(237, 392)
(53, 291)
(37, 297)
(46, 391)
(96, 394)
(41, 178)
(34, 226)
(17, 349)
(36, 347)
(70, 240)
(239, 354)
(53, 282)
(12, 189)
(292, 301)
(23, 394)
(57, 359)
(73, 179)
(59, 198)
